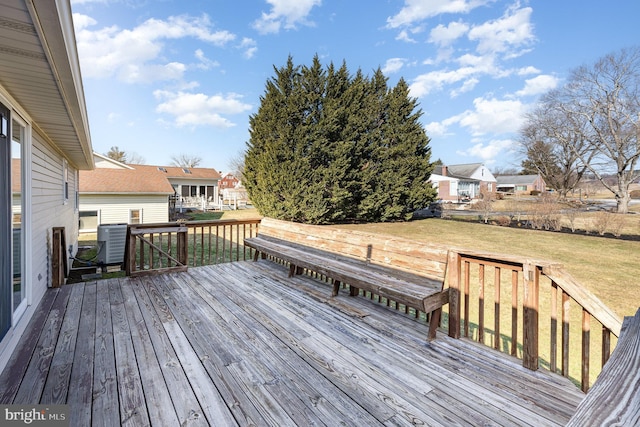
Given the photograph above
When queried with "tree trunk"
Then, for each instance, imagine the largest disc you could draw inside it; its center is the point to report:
(622, 200)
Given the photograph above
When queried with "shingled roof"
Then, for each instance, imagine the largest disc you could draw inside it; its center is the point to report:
(139, 180)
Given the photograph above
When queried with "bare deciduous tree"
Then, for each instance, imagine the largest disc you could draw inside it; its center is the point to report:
(135, 159)
(186, 160)
(555, 146)
(606, 98)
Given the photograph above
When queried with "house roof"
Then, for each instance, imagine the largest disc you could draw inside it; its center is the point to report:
(464, 171)
(39, 68)
(187, 173)
(141, 179)
(516, 179)
(138, 180)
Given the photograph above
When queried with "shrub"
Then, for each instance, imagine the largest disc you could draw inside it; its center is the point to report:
(601, 222)
(546, 214)
(503, 221)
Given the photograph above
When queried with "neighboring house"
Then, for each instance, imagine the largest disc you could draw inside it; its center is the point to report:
(462, 182)
(228, 180)
(232, 192)
(116, 193)
(520, 184)
(44, 141)
(193, 182)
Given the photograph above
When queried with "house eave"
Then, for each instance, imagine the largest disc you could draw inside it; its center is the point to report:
(40, 71)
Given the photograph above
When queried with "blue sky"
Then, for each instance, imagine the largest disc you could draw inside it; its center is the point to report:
(171, 77)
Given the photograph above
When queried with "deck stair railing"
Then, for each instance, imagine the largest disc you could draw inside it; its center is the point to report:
(540, 302)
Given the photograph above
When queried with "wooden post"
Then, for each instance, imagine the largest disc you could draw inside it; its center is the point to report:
(56, 258)
(586, 345)
(183, 247)
(530, 316)
(454, 267)
(130, 253)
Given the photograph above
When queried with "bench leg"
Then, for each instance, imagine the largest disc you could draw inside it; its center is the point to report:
(256, 254)
(292, 269)
(353, 291)
(434, 322)
(336, 288)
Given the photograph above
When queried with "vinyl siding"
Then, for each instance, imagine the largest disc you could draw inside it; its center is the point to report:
(48, 210)
(115, 209)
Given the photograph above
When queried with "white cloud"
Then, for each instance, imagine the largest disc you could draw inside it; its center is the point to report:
(136, 55)
(538, 85)
(525, 71)
(204, 63)
(393, 65)
(445, 36)
(512, 30)
(490, 151)
(249, 46)
(417, 10)
(285, 13)
(435, 80)
(405, 37)
(493, 116)
(467, 86)
(198, 109)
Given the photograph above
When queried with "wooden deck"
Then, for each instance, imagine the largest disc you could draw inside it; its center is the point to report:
(242, 344)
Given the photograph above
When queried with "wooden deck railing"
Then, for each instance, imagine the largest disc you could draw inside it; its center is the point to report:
(539, 297)
(531, 309)
(158, 248)
(614, 399)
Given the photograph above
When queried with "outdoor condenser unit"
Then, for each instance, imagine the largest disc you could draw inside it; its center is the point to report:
(111, 241)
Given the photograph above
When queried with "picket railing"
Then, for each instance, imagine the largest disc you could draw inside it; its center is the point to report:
(533, 292)
(159, 248)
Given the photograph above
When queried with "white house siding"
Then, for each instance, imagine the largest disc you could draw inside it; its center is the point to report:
(116, 208)
(48, 210)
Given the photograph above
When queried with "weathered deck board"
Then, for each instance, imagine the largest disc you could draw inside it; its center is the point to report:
(241, 344)
(82, 373)
(18, 363)
(35, 376)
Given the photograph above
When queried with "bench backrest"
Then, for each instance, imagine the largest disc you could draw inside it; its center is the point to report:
(402, 254)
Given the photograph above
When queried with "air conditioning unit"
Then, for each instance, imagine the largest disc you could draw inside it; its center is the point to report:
(111, 241)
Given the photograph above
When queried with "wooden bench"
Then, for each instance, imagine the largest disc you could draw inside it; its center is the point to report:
(400, 270)
(614, 398)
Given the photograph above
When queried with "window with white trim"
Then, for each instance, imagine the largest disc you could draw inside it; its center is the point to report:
(135, 216)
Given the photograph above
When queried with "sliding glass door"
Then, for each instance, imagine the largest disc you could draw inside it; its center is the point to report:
(6, 235)
(17, 217)
(13, 290)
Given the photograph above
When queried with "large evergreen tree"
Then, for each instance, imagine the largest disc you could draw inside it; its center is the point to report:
(327, 147)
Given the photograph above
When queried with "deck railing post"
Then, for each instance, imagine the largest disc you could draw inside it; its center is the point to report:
(130, 253)
(531, 282)
(183, 247)
(454, 271)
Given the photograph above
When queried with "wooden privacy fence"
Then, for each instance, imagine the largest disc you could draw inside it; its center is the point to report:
(163, 247)
(531, 309)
